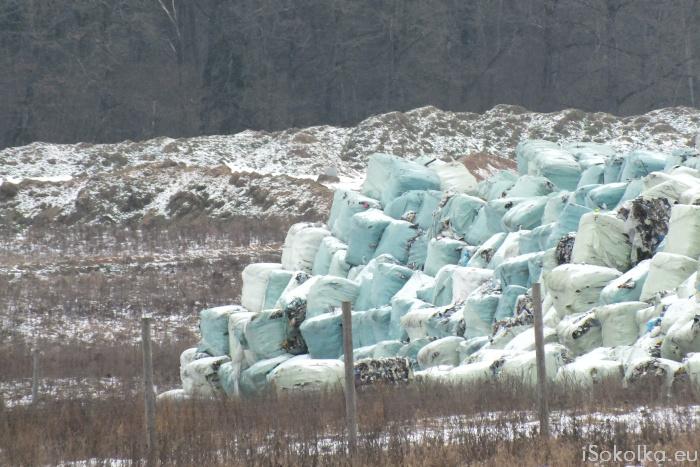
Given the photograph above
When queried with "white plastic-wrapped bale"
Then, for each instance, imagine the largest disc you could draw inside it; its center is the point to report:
(172, 396)
(590, 369)
(580, 195)
(576, 288)
(526, 215)
(525, 340)
(442, 251)
(446, 321)
(213, 327)
(329, 292)
(255, 278)
(523, 367)
(581, 332)
(470, 346)
(305, 373)
(653, 371)
(627, 287)
(692, 366)
(457, 215)
(200, 378)
(454, 177)
(683, 337)
(253, 380)
(350, 203)
(536, 157)
(666, 272)
(480, 310)
(266, 333)
(619, 322)
(327, 249)
(601, 240)
(387, 349)
(504, 334)
(415, 321)
(388, 177)
(440, 352)
(471, 374)
(466, 280)
(410, 350)
(482, 257)
(301, 244)
(687, 288)
(684, 231)
(554, 207)
(397, 240)
(365, 233)
(187, 357)
(593, 175)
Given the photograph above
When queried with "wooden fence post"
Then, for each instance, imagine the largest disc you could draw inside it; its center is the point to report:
(350, 403)
(148, 393)
(35, 375)
(542, 403)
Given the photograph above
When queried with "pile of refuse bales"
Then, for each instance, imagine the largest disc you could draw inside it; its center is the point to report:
(439, 268)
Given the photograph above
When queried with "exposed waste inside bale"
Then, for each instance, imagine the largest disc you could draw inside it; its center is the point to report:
(438, 269)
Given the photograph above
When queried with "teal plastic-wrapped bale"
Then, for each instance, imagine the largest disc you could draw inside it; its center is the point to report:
(506, 303)
(593, 175)
(363, 329)
(276, 284)
(388, 279)
(323, 335)
(365, 232)
(442, 251)
(458, 214)
(410, 350)
(328, 293)
(446, 321)
(339, 267)
(612, 170)
(497, 185)
(365, 299)
(266, 333)
(535, 265)
(418, 251)
(550, 161)
(228, 378)
(387, 348)
(529, 241)
(213, 324)
(531, 185)
(515, 271)
(640, 163)
(627, 287)
(442, 290)
(397, 240)
(555, 205)
(526, 215)
(482, 257)
(399, 308)
(489, 220)
(580, 194)
(380, 322)
(634, 189)
(350, 204)
(328, 247)
(480, 310)
(606, 196)
(539, 237)
(568, 222)
(253, 380)
(417, 204)
(589, 154)
(389, 176)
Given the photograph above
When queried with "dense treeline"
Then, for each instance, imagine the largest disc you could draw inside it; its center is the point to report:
(97, 70)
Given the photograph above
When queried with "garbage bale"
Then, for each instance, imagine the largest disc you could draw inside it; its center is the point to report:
(397, 240)
(575, 288)
(589, 370)
(365, 299)
(418, 251)
(526, 215)
(327, 249)
(531, 185)
(471, 374)
(442, 251)
(523, 367)
(619, 324)
(379, 320)
(503, 335)
(388, 177)
(468, 347)
(589, 154)
(387, 349)
(301, 244)
(172, 396)
(682, 339)
(255, 278)
(687, 288)
(455, 177)
(307, 374)
(613, 169)
(417, 204)
(200, 378)
(457, 215)
(277, 282)
(266, 334)
(535, 264)
(581, 332)
(666, 272)
(442, 289)
(653, 371)
(497, 185)
(565, 248)
(633, 190)
(580, 195)
(640, 162)
(506, 303)
(400, 307)
(365, 232)
(329, 292)
(410, 350)
(515, 271)
(646, 224)
(446, 321)
(510, 248)
(489, 219)
(465, 280)
(483, 255)
(684, 231)
(239, 351)
(606, 196)
(542, 158)
(323, 335)
(601, 240)
(350, 203)
(669, 186)
(393, 370)
(568, 222)
(525, 341)
(213, 326)
(253, 380)
(187, 357)
(339, 267)
(440, 352)
(480, 310)
(593, 175)
(388, 279)
(554, 206)
(692, 366)
(290, 292)
(627, 287)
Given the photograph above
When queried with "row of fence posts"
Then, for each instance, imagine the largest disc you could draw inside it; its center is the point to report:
(350, 394)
